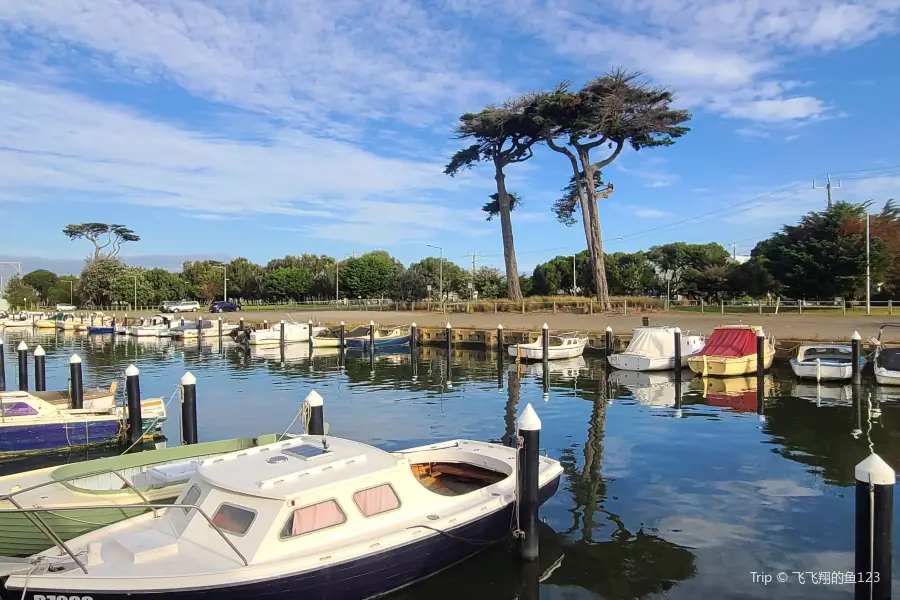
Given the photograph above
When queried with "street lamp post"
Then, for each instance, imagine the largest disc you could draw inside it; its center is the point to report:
(224, 281)
(337, 280)
(574, 277)
(71, 292)
(868, 273)
(441, 270)
(135, 291)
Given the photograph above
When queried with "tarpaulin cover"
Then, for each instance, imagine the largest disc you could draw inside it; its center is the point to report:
(653, 342)
(889, 358)
(730, 342)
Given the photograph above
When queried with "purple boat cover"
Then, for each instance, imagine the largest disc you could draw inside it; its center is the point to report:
(17, 409)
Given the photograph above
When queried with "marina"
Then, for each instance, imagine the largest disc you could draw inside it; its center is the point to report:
(671, 475)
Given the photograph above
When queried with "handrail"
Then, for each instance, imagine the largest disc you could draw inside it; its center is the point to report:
(59, 542)
(46, 530)
(880, 329)
(128, 485)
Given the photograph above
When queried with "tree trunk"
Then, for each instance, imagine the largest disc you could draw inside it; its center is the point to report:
(513, 289)
(596, 245)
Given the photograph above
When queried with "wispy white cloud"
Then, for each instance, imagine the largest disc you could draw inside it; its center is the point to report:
(650, 213)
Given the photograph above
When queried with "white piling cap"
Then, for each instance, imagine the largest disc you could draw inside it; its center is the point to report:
(131, 371)
(371, 322)
(678, 330)
(609, 329)
(1, 341)
(528, 420)
(413, 324)
(855, 336)
(75, 360)
(282, 321)
(241, 319)
(314, 399)
(39, 351)
(545, 326)
(342, 322)
(874, 470)
(760, 333)
(22, 346)
(310, 321)
(188, 379)
(448, 325)
(762, 418)
(218, 318)
(499, 326)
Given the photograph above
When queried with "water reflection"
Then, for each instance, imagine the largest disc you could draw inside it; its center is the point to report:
(650, 506)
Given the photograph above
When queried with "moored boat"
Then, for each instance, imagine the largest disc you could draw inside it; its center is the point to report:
(293, 332)
(562, 345)
(824, 362)
(128, 479)
(652, 348)
(331, 338)
(310, 517)
(886, 362)
(731, 350)
(385, 337)
(32, 425)
(156, 326)
(100, 330)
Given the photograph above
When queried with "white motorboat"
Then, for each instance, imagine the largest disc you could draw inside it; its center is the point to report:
(824, 362)
(155, 326)
(211, 330)
(309, 517)
(886, 360)
(293, 332)
(562, 345)
(652, 348)
(22, 319)
(651, 388)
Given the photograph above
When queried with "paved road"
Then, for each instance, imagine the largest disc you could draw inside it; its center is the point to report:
(785, 327)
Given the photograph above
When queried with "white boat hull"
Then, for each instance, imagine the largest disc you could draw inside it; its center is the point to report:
(886, 376)
(829, 372)
(292, 333)
(636, 362)
(528, 352)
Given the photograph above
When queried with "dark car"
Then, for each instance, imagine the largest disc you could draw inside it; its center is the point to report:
(221, 306)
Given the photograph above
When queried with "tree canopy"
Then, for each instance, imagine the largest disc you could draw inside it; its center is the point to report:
(103, 237)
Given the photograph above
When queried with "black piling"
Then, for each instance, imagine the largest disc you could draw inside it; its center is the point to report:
(341, 343)
(265, 323)
(499, 357)
(188, 409)
(677, 364)
(133, 395)
(2, 367)
(609, 341)
(316, 424)
(40, 369)
(114, 325)
(645, 321)
(527, 485)
(500, 339)
(182, 321)
(309, 325)
(241, 324)
(449, 356)
(874, 526)
(92, 319)
(22, 351)
(856, 347)
(281, 334)
(761, 374)
(76, 382)
(413, 338)
(449, 337)
(125, 320)
(219, 321)
(372, 336)
(545, 360)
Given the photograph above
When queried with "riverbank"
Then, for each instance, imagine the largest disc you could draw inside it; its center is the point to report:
(784, 327)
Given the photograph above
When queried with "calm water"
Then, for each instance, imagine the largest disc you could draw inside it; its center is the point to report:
(655, 503)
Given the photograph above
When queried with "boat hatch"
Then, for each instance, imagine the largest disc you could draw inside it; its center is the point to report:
(454, 478)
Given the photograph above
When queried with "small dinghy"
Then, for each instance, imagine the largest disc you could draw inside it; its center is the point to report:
(311, 517)
(100, 330)
(886, 361)
(731, 350)
(384, 338)
(824, 362)
(562, 345)
(652, 348)
(152, 476)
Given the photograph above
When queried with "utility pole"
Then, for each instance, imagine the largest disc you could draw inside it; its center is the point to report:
(574, 278)
(868, 274)
(828, 186)
(734, 251)
(473, 273)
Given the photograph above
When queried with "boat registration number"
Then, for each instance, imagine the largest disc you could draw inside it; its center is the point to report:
(60, 597)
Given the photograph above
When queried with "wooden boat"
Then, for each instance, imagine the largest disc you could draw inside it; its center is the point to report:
(652, 348)
(731, 350)
(824, 362)
(309, 517)
(153, 476)
(31, 425)
(293, 332)
(886, 360)
(384, 338)
(735, 393)
(562, 345)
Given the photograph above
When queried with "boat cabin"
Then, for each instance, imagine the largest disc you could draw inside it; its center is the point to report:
(831, 353)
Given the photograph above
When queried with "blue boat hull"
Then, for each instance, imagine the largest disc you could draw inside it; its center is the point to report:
(100, 330)
(50, 437)
(368, 577)
(363, 343)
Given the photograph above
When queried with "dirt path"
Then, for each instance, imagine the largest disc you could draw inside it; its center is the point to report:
(785, 327)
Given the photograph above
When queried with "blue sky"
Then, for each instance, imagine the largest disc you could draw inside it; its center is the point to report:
(258, 129)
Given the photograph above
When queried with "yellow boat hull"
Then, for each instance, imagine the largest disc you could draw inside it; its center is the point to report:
(725, 366)
(45, 324)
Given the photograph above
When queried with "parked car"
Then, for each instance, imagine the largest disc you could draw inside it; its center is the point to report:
(167, 305)
(65, 307)
(184, 306)
(221, 306)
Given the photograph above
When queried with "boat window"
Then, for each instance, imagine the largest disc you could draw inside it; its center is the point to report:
(376, 500)
(191, 497)
(234, 519)
(313, 518)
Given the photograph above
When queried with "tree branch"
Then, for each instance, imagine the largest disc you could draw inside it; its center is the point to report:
(619, 145)
(596, 143)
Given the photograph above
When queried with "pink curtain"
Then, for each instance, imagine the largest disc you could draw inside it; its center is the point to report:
(376, 500)
(315, 517)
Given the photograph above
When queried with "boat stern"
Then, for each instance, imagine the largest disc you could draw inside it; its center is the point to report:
(629, 362)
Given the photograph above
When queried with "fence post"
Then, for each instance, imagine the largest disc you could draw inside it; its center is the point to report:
(554, 307)
(625, 308)
(701, 306)
(523, 306)
(891, 307)
(591, 306)
(800, 306)
(723, 305)
(760, 306)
